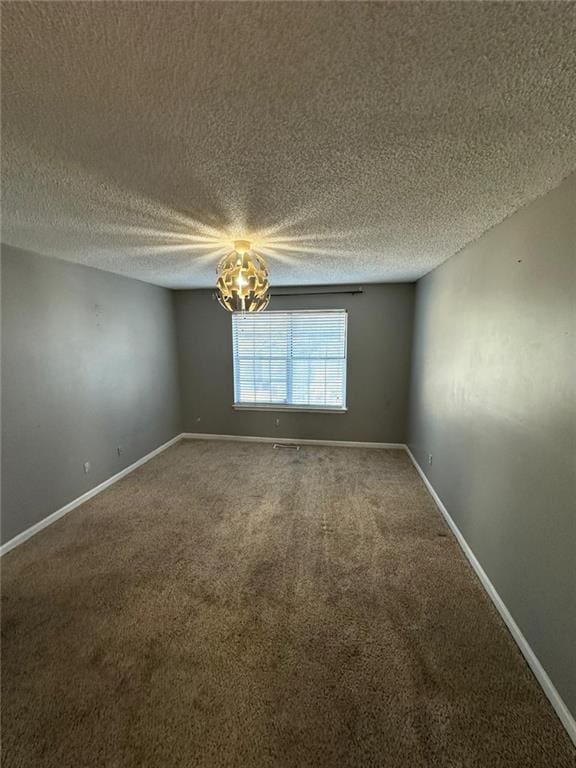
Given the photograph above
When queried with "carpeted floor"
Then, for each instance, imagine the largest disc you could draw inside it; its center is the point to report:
(228, 604)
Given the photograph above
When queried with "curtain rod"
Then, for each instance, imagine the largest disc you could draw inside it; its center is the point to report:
(316, 290)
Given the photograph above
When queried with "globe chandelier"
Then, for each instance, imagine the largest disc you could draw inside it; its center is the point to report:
(242, 284)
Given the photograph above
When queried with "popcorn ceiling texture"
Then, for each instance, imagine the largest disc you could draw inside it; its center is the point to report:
(351, 141)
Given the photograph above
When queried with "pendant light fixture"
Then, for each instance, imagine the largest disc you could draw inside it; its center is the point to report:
(242, 284)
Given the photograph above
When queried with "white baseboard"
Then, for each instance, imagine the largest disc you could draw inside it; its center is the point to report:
(539, 672)
(291, 441)
(20, 538)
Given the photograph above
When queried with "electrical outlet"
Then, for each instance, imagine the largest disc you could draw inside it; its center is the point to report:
(277, 422)
(119, 450)
(430, 458)
(86, 466)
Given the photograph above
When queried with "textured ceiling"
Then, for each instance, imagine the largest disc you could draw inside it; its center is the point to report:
(351, 141)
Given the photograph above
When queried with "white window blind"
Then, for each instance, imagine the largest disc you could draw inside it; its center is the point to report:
(293, 359)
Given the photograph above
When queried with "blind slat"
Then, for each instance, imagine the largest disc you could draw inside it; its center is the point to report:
(290, 358)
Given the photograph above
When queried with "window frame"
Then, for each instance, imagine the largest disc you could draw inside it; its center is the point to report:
(285, 407)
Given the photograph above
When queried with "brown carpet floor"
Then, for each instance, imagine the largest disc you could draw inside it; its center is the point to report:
(228, 604)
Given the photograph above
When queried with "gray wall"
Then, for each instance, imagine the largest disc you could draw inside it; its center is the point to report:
(493, 400)
(379, 340)
(88, 364)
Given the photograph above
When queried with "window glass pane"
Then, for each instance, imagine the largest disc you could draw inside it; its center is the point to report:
(319, 336)
(318, 381)
(290, 358)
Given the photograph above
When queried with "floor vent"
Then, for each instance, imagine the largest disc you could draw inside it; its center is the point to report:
(291, 446)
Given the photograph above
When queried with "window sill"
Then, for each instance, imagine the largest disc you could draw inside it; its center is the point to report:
(291, 408)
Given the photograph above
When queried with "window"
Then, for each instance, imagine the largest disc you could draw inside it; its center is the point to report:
(290, 359)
